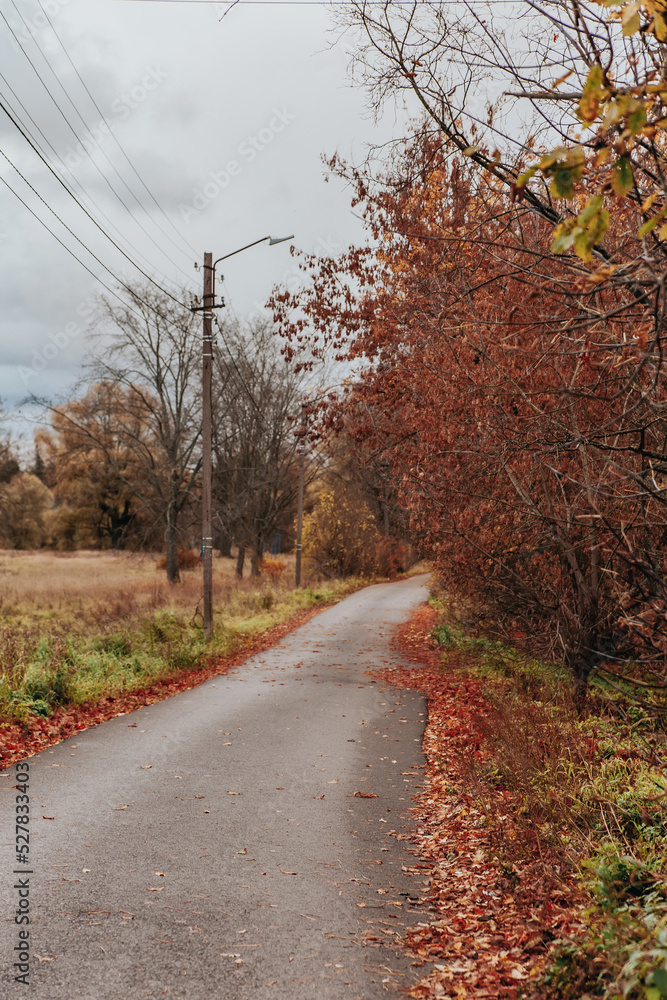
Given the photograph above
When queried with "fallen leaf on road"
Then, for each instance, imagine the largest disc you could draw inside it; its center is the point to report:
(333, 782)
(244, 851)
(150, 889)
(235, 793)
(48, 817)
(288, 873)
(146, 767)
(119, 808)
(363, 795)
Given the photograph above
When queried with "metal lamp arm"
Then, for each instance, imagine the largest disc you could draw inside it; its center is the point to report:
(263, 239)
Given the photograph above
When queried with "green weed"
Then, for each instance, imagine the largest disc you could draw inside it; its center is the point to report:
(71, 659)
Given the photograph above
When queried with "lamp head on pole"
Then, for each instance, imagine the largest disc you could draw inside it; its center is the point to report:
(279, 239)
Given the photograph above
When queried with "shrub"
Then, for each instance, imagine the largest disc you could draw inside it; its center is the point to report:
(340, 537)
(272, 567)
(394, 556)
(187, 559)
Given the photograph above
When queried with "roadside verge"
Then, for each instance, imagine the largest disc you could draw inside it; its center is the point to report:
(21, 740)
(499, 901)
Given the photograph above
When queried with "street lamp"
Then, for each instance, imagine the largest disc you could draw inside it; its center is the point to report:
(207, 307)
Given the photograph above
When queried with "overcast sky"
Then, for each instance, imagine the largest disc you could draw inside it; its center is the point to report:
(224, 120)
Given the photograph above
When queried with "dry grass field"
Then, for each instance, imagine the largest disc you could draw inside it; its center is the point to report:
(109, 583)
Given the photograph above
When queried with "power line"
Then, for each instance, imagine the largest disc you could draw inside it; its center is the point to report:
(47, 142)
(118, 143)
(96, 277)
(76, 136)
(84, 209)
(84, 194)
(131, 291)
(63, 223)
(63, 245)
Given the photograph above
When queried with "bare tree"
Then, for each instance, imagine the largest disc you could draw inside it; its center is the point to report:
(150, 347)
(589, 128)
(257, 408)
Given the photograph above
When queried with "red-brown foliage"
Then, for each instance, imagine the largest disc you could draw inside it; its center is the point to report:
(524, 439)
(187, 559)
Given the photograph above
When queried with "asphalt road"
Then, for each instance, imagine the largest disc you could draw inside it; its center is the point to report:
(211, 845)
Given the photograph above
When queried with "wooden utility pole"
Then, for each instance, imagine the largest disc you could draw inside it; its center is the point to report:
(206, 308)
(299, 514)
(206, 463)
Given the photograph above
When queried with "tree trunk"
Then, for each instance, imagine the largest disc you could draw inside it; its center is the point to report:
(225, 546)
(118, 523)
(173, 576)
(257, 552)
(240, 559)
(171, 536)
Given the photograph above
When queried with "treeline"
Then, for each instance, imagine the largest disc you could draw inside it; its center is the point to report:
(118, 465)
(506, 321)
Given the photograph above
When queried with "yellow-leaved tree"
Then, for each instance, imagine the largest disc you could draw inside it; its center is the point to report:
(340, 535)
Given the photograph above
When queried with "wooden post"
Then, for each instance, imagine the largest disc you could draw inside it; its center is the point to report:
(207, 472)
(299, 515)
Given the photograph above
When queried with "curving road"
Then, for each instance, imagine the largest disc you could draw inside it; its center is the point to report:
(212, 845)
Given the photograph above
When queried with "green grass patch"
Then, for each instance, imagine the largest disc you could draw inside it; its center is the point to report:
(49, 662)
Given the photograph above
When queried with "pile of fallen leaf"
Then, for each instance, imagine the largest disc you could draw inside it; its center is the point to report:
(20, 741)
(493, 922)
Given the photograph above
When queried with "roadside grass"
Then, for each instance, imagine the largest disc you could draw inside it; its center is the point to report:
(588, 790)
(76, 628)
